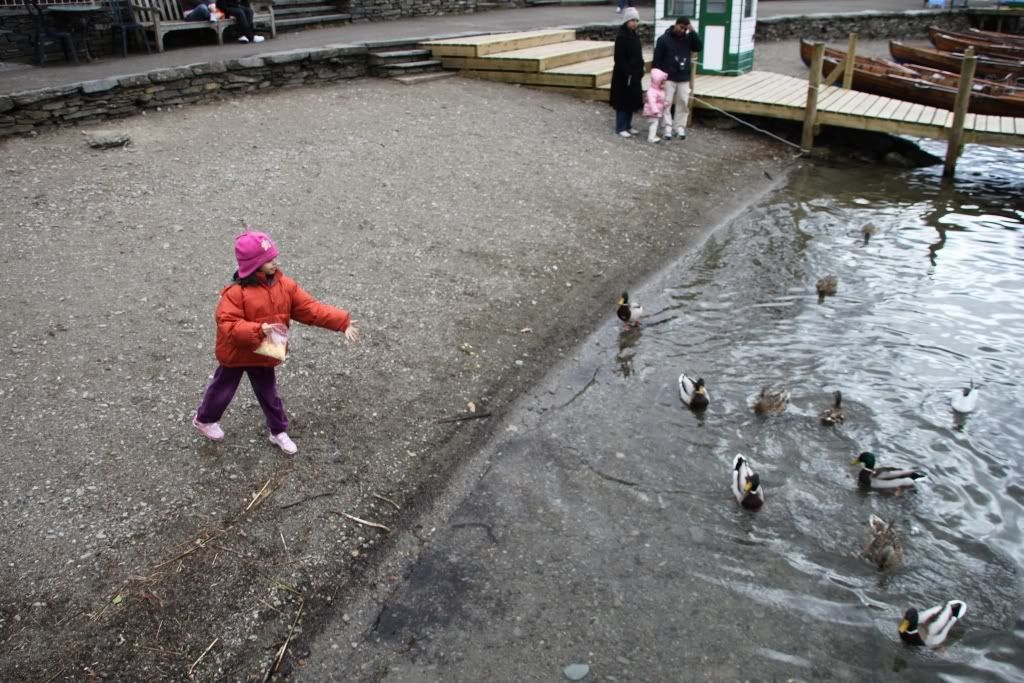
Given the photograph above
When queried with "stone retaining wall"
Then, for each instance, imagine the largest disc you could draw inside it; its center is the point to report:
(122, 96)
(867, 25)
(393, 9)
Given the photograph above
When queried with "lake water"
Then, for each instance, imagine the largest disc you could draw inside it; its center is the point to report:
(602, 530)
(933, 300)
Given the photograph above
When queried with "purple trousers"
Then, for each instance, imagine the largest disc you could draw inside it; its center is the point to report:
(224, 385)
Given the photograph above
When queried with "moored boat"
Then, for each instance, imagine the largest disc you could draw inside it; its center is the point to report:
(923, 86)
(987, 67)
(944, 40)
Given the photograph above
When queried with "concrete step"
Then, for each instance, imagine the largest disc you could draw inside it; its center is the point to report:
(293, 10)
(404, 68)
(423, 78)
(297, 22)
(397, 56)
(480, 46)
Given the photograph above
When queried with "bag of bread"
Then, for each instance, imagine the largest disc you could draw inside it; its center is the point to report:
(275, 343)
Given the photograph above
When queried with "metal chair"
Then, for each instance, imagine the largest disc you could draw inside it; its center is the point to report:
(122, 22)
(44, 33)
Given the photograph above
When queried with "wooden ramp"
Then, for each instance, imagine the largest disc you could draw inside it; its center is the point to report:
(763, 93)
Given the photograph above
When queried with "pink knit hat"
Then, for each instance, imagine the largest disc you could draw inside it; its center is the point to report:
(252, 250)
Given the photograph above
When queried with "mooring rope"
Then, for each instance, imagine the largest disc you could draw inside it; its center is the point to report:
(748, 124)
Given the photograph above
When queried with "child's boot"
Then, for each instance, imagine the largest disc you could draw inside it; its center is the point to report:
(283, 442)
(652, 133)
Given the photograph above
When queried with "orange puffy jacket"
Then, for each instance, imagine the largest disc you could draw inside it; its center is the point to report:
(243, 310)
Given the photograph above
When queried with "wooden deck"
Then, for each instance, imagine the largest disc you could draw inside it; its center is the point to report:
(764, 93)
(555, 60)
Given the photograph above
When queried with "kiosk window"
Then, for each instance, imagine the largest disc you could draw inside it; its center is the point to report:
(679, 8)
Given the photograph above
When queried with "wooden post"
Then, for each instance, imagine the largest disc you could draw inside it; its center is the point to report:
(851, 57)
(811, 109)
(693, 84)
(963, 98)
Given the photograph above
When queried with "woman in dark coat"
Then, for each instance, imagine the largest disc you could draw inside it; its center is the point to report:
(627, 75)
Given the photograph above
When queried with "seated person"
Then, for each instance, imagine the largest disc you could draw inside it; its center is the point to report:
(241, 10)
(197, 10)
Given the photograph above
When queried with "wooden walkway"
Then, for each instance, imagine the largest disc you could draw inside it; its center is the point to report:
(763, 93)
(555, 60)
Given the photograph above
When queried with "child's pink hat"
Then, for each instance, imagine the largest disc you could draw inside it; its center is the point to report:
(252, 250)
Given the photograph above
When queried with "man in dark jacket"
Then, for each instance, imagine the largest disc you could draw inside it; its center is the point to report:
(672, 54)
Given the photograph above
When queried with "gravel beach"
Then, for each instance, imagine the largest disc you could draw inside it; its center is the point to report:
(477, 231)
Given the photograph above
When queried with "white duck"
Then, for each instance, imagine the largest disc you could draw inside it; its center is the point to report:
(965, 400)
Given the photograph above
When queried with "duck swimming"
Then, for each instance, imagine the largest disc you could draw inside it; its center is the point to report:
(834, 415)
(826, 286)
(965, 400)
(771, 401)
(693, 392)
(629, 313)
(885, 550)
(746, 484)
(931, 626)
(884, 478)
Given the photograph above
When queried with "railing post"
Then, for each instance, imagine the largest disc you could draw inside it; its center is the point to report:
(811, 109)
(963, 98)
(851, 57)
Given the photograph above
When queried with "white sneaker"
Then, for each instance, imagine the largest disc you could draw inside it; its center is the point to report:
(211, 430)
(283, 442)
(625, 134)
(618, 10)
(634, 131)
(654, 139)
(258, 39)
(681, 133)
(243, 39)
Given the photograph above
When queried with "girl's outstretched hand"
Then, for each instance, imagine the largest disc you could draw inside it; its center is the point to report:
(352, 331)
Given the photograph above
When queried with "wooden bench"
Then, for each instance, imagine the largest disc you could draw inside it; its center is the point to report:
(164, 16)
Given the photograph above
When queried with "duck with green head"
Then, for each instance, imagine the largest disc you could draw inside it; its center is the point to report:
(930, 627)
(884, 478)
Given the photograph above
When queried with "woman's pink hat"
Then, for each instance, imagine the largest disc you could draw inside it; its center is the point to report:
(252, 250)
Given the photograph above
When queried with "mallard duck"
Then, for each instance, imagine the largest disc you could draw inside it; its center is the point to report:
(884, 550)
(746, 484)
(771, 401)
(629, 313)
(868, 230)
(835, 414)
(884, 478)
(965, 400)
(693, 392)
(931, 626)
(826, 286)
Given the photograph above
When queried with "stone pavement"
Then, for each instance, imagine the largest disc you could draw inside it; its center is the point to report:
(17, 78)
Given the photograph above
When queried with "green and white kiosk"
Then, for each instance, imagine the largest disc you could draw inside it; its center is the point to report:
(725, 26)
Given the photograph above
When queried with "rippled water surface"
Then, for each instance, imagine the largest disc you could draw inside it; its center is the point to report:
(933, 300)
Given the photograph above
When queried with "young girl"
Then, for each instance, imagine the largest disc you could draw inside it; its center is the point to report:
(654, 103)
(259, 296)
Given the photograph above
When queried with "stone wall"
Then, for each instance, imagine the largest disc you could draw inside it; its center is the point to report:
(393, 9)
(121, 96)
(867, 25)
(609, 31)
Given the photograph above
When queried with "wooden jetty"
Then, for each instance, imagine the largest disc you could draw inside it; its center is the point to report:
(555, 60)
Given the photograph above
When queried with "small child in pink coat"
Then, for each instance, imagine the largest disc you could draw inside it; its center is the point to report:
(654, 103)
